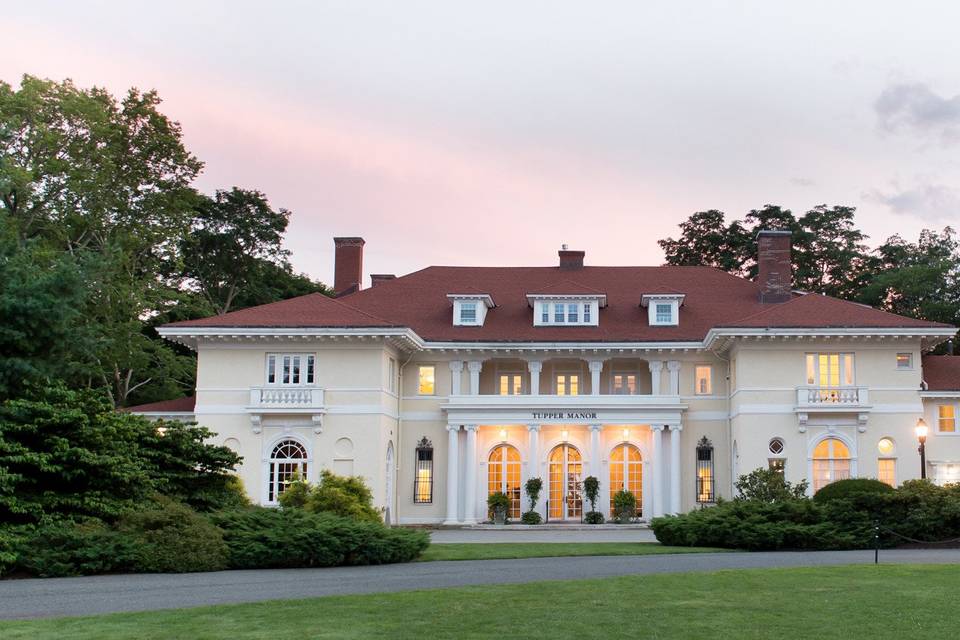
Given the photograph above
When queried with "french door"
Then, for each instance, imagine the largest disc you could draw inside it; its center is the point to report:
(566, 483)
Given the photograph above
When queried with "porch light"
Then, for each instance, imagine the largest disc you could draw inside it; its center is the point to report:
(626, 434)
(565, 435)
(503, 434)
(921, 430)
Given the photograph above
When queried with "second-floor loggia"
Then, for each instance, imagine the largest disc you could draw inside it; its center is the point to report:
(571, 376)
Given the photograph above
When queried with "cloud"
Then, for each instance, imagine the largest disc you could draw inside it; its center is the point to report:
(803, 182)
(930, 202)
(915, 108)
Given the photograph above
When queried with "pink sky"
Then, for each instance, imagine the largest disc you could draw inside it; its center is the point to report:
(451, 137)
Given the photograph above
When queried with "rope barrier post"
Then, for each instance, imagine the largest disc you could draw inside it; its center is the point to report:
(876, 542)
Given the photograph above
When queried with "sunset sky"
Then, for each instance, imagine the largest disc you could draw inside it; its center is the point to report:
(490, 133)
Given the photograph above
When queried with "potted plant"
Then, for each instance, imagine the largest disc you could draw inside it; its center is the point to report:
(532, 489)
(591, 488)
(498, 504)
(624, 506)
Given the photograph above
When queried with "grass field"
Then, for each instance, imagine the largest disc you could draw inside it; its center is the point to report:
(845, 603)
(499, 550)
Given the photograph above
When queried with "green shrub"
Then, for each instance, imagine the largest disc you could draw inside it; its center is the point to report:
(624, 505)
(848, 487)
(498, 502)
(348, 497)
(533, 487)
(591, 489)
(169, 537)
(531, 517)
(593, 517)
(768, 485)
(69, 549)
(8, 550)
(260, 538)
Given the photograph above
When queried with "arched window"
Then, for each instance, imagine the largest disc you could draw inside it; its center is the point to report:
(287, 461)
(626, 472)
(566, 485)
(831, 462)
(503, 474)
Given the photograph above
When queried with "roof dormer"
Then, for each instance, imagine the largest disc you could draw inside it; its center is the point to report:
(470, 309)
(663, 308)
(567, 304)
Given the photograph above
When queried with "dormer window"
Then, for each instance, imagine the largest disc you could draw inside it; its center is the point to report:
(663, 308)
(470, 309)
(568, 311)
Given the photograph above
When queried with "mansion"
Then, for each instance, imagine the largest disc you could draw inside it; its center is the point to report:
(450, 383)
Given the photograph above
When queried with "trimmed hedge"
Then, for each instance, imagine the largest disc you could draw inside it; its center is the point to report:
(849, 487)
(261, 538)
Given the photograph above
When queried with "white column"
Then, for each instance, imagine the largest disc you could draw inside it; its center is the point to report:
(657, 469)
(535, 367)
(596, 366)
(533, 448)
(456, 384)
(453, 471)
(470, 467)
(595, 450)
(474, 367)
(674, 367)
(675, 430)
(656, 366)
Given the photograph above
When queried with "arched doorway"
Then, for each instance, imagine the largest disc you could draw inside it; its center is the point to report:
(388, 502)
(503, 474)
(626, 472)
(566, 486)
(831, 462)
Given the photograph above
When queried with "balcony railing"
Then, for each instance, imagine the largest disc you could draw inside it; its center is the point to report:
(286, 398)
(832, 397)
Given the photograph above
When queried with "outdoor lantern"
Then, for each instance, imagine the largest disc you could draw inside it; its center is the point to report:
(626, 434)
(564, 435)
(922, 437)
(503, 434)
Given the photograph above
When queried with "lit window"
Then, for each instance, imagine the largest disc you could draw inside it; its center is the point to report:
(703, 381)
(885, 446)
(468, 313)
(511, 384)
(904, 361)
(947, 418)
(290, 368)
(887, 471)
(705, 476)
(587, 307)
(664, 313)
(830, 372)
(626, 472)
(503, 474)
(831, 462)
(288, 462)
(423, 473)
(946, 473)
(624, 384)
(776, 446)
(426, 379)
(568, 384)
(777, 465)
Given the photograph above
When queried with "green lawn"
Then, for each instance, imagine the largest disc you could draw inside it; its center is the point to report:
(840, 602)
(493, 551)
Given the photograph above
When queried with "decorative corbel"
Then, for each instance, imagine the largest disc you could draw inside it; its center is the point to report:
(317, 423)
(256, 421)
(862, 422)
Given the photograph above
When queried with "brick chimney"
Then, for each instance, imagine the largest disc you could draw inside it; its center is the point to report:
(571, 260)
(348, 265)
(380, 278)
(775, 273)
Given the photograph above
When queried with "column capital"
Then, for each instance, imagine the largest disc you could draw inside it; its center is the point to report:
(533, 428)
(474, 366)
(534, 366)
(473, 427)
(653, 427)
(676, 427)
(456, 365)
(595, 365)
(596, 427)
(673, 365)
(453, 427)
(655, 365)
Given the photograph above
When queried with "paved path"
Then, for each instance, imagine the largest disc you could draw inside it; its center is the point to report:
(443, 536)
(37, 598)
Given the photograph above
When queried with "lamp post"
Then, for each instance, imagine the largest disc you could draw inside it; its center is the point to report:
(922, 437)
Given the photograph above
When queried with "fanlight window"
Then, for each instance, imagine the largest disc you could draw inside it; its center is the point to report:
(831, 462)
(288, 461)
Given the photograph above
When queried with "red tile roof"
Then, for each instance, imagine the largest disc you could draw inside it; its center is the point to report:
(179, 405)
(419, 301)
(942, 373)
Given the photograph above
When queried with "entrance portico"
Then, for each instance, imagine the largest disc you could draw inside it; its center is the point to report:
(562, 440)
